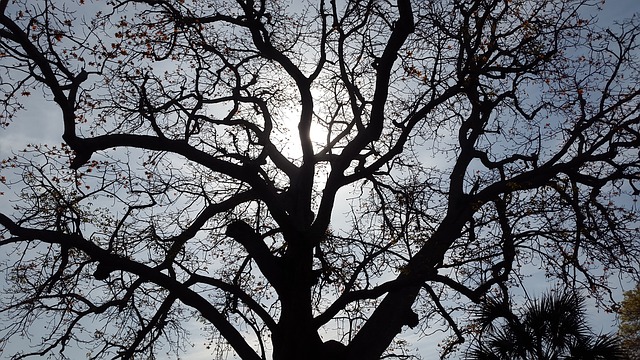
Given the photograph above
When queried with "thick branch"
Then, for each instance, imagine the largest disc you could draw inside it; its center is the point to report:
(183, 293)
(258, 250)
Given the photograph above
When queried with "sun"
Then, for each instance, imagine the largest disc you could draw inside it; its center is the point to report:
(290, 145)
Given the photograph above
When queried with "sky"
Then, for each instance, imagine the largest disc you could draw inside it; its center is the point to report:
(40, 123)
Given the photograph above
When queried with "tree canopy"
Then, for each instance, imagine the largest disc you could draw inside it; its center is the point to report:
(552, 327)
(308, 180)
(630, 322)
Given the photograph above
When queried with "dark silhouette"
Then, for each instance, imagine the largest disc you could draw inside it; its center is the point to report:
(553, 327)
(306, 180)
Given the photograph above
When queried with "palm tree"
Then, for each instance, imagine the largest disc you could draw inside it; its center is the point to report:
(551, 328)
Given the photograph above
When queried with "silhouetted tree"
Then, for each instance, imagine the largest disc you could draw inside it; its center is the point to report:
(551, 328)
(209, 143)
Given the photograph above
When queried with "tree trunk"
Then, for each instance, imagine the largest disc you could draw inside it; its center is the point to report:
(297, 337)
